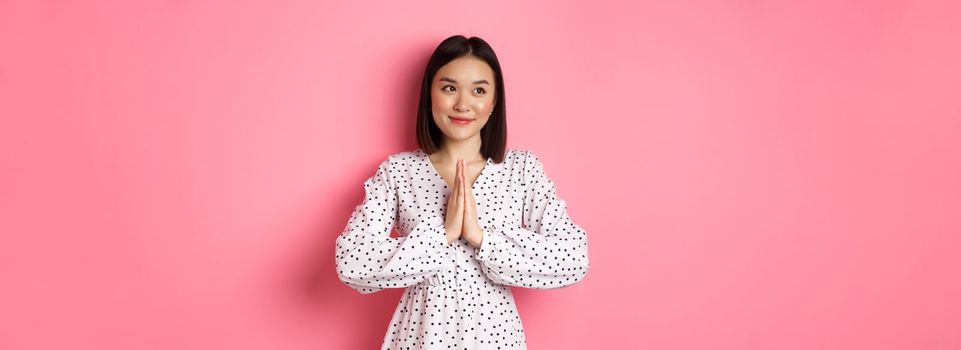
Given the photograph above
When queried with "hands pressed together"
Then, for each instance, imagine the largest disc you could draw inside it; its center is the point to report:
(461, 218)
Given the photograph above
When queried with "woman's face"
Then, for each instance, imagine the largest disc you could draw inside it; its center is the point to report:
(462, 88)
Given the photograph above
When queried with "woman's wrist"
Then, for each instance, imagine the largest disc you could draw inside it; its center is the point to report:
(476, 238)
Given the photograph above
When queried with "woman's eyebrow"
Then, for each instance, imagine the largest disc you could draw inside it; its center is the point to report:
(482, 81)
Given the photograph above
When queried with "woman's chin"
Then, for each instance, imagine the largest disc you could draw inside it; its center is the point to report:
(461, 135)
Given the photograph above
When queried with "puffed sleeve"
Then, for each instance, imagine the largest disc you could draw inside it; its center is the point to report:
(369, 260)
(550, 252)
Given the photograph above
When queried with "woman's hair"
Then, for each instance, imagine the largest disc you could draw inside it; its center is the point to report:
(494, 133)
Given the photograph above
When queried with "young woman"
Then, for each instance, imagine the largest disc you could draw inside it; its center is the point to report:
(474, 219)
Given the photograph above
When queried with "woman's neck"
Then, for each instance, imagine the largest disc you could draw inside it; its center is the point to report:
(452, 150)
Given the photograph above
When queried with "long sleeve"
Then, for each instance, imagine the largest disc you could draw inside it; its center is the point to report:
(550, 252)
(369, 260)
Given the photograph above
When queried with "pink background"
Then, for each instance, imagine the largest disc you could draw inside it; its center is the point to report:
(752, 174)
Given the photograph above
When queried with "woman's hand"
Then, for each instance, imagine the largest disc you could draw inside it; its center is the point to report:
(472, 231)
(454, 218)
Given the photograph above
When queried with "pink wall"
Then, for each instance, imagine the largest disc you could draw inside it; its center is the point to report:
(751, 174)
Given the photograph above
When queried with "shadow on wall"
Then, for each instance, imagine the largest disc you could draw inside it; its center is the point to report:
(315, 290)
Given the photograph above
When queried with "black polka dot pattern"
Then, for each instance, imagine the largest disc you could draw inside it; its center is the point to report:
(457, 296)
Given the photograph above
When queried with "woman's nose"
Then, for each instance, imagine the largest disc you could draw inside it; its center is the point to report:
(461, 103)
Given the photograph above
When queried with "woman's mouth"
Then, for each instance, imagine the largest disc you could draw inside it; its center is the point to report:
(460, 121)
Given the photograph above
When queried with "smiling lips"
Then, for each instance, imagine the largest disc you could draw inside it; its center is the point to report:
(460, 120)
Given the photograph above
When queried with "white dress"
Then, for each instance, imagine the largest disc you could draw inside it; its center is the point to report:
(458, 296)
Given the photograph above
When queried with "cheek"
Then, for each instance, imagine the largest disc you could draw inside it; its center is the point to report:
(485, 104)
(439, 99)
(479, 106)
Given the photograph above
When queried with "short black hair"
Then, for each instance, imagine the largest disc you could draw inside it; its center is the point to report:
(494, 133)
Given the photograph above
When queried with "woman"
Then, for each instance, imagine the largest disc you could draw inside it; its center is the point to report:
(473, 218)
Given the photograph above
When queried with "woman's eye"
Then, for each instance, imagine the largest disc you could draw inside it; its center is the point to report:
(447, 86)
(481, 90)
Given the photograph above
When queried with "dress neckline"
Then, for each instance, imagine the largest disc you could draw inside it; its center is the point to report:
(436, 173)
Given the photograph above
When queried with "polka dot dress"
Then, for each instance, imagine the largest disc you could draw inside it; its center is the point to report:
(457, 296)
